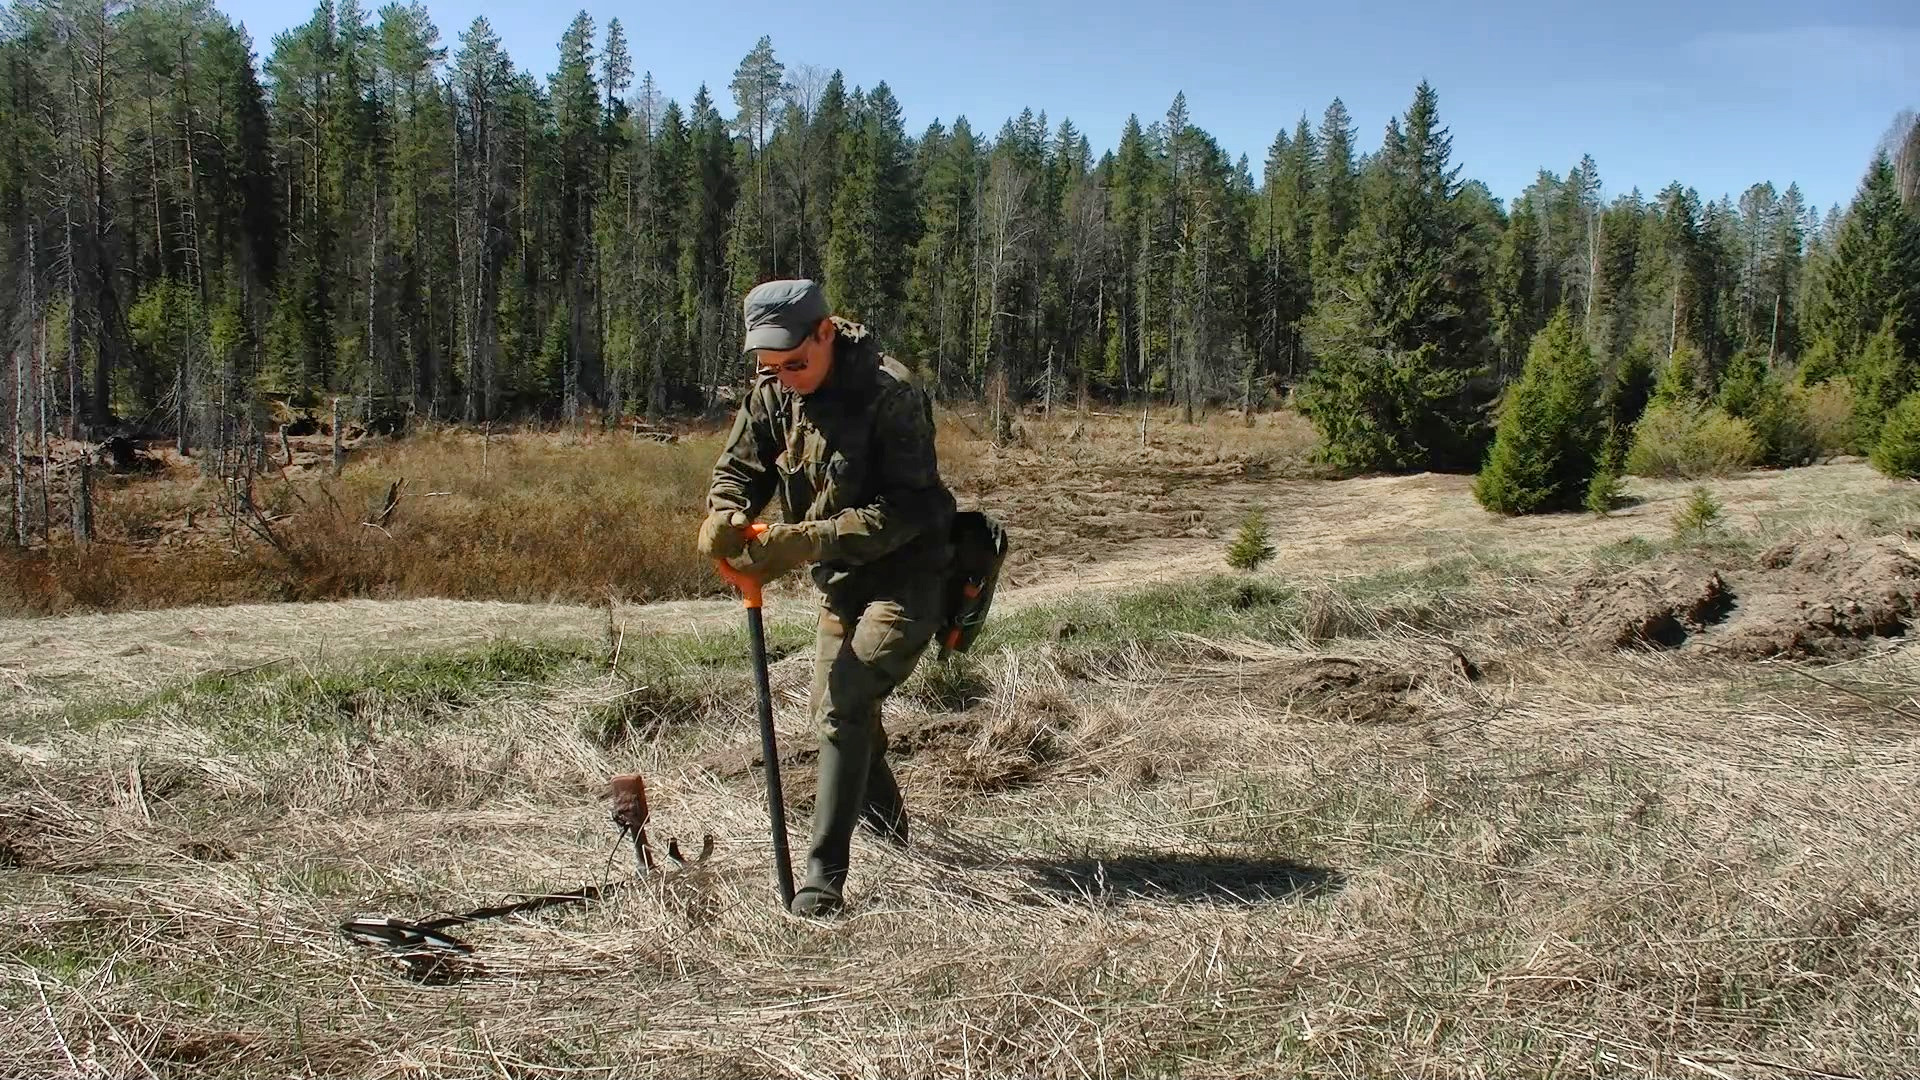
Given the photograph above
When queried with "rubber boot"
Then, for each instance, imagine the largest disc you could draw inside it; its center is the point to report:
(884, 812)
(845, 757)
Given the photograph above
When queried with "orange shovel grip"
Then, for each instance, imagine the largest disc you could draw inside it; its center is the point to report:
(748, 585)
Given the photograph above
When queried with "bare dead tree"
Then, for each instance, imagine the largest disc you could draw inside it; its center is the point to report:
(1902, 144)
(73, 322)
(20, 525)
(1008, 224)
(44, 386)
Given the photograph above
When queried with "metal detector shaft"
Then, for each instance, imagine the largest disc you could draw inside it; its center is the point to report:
(750, 594)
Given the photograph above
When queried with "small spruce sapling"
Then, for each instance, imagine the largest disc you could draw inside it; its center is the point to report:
(1701, 516)
(1605, 491)
(1253, 545)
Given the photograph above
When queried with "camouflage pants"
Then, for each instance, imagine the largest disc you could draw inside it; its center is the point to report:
(866, 645)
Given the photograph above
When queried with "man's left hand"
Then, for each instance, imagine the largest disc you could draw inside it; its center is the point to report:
(784, 548)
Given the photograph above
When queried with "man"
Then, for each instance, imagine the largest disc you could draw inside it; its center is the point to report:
(842, 434)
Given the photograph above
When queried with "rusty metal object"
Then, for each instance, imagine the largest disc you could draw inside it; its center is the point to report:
(629, 814)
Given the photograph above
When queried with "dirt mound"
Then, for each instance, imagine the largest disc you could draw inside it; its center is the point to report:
(1350, 691)
(1658, 607)
(1823, 597)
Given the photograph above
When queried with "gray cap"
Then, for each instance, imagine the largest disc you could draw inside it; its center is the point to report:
(780, 314)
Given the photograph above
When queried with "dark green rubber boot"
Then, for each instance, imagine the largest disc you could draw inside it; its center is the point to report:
(885, 812)
(845, 757)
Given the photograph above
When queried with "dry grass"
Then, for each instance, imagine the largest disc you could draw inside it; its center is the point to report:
(1254, 826)
(573, 517)
(540, 516)
(1326, 533)
(528, 517)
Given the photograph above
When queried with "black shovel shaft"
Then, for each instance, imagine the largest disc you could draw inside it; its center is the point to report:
(770, 754)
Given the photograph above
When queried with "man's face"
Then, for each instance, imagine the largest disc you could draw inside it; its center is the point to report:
(802, 369)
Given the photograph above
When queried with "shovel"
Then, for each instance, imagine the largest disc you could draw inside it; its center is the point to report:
(770, 753)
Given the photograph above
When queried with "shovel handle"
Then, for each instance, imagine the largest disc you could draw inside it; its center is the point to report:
(748, 585)
(750, 595)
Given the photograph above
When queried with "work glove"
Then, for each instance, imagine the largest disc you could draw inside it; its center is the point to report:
(723, 535)
(783, 549)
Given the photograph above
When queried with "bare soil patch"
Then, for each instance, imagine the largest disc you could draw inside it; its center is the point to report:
(1350, 690)
(1826, 597)
(1656, 607)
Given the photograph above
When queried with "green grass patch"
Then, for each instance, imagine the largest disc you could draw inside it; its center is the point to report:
(1718, 545)
(671, 681)
(662, 682)
(1258, 608)
(1217, 606)
(271, 704)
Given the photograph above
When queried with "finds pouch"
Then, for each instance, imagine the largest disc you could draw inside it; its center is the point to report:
(979, 549)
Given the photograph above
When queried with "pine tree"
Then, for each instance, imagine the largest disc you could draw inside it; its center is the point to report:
(1334, 213)
(1547, 446)
(1883, 375)
(1252, 545)
(1875, 271)
(1408, 328)
(758, 86)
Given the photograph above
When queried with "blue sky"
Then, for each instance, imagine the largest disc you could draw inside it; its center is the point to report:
(1716, 94)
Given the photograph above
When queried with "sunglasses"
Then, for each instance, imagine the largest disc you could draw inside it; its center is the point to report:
(798, 364)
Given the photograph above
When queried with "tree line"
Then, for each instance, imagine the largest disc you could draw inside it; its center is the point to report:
(429, 230)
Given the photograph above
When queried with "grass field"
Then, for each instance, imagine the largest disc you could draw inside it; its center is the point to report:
(578, 516)
(1383, 809)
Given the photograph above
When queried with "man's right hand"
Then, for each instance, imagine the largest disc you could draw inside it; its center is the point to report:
(724, 534)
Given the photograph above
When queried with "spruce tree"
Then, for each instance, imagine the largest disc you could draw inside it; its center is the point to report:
(1896, 452)
(873, 218)
(1882, 376)
(1252, 545)
(1547, 446)
(1752, 393)
(1335, 193)
(1408, 328)
(1681, 378)
(1875, 273)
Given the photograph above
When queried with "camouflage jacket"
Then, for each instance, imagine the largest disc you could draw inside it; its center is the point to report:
(857, 452)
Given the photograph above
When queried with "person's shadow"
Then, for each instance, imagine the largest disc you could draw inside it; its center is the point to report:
(1180, 878)
(1107, 877)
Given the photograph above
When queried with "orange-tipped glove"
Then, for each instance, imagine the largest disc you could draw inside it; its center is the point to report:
(783, 549)
(723, 535)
